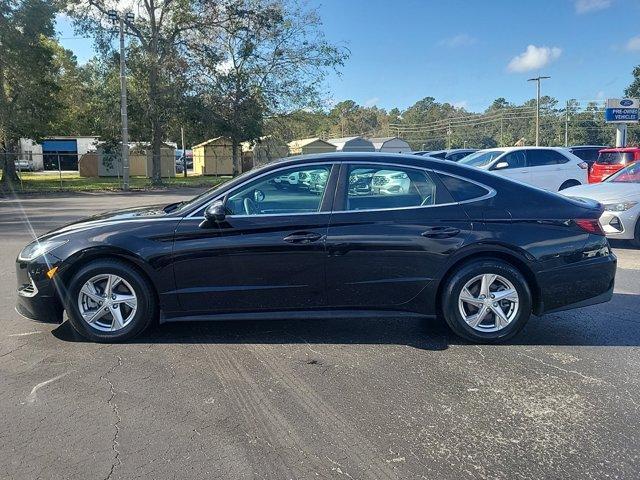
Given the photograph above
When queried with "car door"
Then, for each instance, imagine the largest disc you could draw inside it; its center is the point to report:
(513, 165)
(547, 169)
(387, 241)
(267, 254)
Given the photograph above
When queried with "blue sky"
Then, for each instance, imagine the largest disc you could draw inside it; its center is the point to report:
(469, 52)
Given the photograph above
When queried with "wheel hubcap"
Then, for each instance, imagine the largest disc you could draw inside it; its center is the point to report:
(488, 302)
(107, 302)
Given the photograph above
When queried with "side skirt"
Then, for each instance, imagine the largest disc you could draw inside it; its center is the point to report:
(293, 315)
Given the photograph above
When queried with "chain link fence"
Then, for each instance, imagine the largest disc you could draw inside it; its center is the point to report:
(94, 170)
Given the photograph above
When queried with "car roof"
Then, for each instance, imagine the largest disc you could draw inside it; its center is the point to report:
(369, 157)
(514, 149)
(620, 149)
(587, 146)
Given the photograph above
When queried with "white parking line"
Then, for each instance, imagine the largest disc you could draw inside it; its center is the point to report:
(23, 334)
(31, 398)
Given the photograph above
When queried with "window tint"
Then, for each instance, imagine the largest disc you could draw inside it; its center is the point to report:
(541, 158)
(514, 159)
(615, 158)
(292, 191)
(481, 158)
(462, 190)
(373, 187)
(589, 155)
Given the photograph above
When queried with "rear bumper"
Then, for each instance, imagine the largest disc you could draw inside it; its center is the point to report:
(587, 282)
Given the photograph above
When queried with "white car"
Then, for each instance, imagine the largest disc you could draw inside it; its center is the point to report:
(551, 168)
(390, 182)
(620, 195)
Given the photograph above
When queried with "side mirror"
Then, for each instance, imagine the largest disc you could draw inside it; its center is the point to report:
(215, 213)
(500, 166)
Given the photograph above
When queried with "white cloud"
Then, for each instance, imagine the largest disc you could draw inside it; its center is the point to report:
(533, 58)
(587, 6)
(461, 40)
(372, 102)
(633, 44)
(460, 104)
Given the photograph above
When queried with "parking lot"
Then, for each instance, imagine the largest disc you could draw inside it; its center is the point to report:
(369, 398)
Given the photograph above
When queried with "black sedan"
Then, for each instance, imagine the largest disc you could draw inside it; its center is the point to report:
(424, 238)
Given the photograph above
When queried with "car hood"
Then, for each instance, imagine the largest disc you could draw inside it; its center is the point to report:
(108, 218)
(606, 192)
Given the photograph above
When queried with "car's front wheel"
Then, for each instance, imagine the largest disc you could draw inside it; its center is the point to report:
(110, 301)
(486, 301)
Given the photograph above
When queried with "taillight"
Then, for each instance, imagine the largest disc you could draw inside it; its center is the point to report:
(584, 165)
(590, 225)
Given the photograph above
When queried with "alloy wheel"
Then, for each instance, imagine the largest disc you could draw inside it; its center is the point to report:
(488, 302)
(107, 302)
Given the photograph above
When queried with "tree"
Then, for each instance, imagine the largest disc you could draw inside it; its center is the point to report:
(158, 34)
(28, 76)
(267, 57)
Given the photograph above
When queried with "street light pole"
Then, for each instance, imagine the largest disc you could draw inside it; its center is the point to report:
(537, 80)
(124, 110)
(118, 18)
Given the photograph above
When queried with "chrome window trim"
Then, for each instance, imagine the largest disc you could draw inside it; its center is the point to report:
(490, 191)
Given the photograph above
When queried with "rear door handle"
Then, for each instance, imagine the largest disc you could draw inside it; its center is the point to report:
(440, 232)
(303, 237)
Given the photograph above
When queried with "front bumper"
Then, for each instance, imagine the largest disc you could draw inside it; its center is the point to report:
(38, 296)
(620, 225)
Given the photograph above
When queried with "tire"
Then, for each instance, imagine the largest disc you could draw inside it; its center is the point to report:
(569, 183)
(636, 236)
(135, 316)
(508, 279)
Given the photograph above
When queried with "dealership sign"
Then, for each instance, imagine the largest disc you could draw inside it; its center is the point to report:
(623, 110)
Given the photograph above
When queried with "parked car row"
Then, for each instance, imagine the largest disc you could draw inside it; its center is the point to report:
(551, 168)
(613, 179)
(312, 180)
(620, 196)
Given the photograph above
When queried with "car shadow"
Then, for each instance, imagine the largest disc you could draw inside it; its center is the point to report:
(590, 326)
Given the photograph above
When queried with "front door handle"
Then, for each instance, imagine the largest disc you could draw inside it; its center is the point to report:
(440, 232)
(303, 237)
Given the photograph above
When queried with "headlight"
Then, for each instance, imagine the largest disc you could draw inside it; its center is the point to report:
(619, 207)
(37, 248)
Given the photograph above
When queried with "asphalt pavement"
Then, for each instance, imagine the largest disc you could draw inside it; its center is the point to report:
(358, 399)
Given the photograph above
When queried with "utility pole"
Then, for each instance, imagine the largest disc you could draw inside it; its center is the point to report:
(116, 17)
(537, 80)
(184, 153)
(566, 125)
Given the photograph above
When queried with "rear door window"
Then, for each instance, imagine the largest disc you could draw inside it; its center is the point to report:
(381, 187)
(540, 158)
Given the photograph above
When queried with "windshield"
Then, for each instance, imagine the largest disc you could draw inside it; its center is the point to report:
(481, 159)
(630, 174)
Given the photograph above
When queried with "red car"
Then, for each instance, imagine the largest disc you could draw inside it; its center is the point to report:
(610, 160)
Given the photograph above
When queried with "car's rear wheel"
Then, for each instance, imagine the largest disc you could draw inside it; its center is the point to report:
(569, 183)
(486, 301)
(110, 301)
